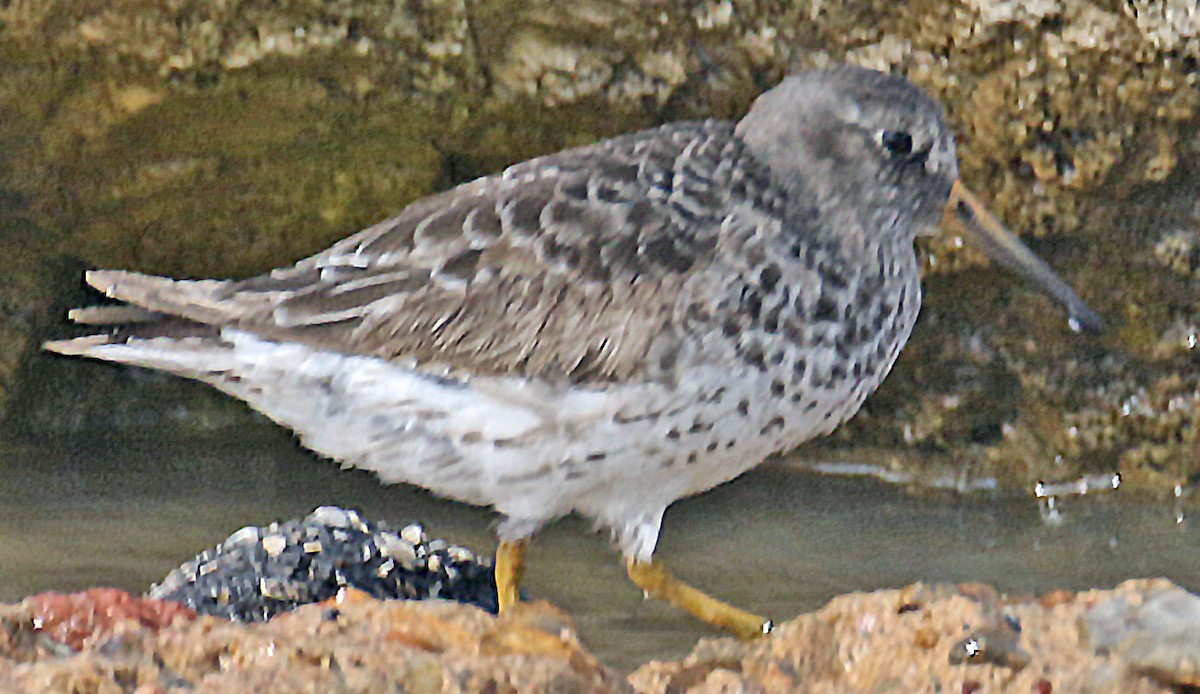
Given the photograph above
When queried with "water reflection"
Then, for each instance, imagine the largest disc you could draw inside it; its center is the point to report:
(777, 541)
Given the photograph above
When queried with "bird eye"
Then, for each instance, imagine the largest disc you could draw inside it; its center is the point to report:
(898, 142)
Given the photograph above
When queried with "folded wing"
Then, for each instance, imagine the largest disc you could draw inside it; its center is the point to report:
(570, 266)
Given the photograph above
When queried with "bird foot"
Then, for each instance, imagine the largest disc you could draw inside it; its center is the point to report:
(655, 581)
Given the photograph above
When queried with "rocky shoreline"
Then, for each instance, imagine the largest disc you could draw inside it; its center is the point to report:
(1138, 638)
(296, 606)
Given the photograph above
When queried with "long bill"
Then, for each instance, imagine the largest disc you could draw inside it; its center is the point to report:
(1003, 247)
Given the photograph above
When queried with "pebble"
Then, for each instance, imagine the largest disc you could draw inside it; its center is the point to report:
(412, 534)
(273, 544)
(993, 644)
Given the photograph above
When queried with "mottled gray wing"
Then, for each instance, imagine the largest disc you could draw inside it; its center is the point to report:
(566, 267)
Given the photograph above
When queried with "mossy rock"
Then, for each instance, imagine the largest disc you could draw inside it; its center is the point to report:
(199, 139)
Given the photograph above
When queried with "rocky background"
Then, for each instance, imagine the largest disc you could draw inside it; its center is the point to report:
(198, 138)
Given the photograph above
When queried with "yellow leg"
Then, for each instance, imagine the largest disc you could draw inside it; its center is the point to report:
(654, 579)
(510, 566)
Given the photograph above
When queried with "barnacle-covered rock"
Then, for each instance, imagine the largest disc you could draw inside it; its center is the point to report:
(258, 573)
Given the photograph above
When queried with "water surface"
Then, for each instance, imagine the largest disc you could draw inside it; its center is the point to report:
(123, 512)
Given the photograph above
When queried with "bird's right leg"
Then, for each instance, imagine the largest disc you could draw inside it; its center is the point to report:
(637, 538)
(656, 582)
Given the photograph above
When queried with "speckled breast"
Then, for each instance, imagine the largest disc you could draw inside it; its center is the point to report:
(812, 329)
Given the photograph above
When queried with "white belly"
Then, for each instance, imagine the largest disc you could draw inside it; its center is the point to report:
(529, 450)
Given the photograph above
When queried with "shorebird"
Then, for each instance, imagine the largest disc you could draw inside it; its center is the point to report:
(600, 331)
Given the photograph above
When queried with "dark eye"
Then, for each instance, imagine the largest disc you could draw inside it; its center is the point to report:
(898, 142)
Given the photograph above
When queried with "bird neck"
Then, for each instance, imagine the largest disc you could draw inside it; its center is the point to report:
(863, 231)
(849, 199)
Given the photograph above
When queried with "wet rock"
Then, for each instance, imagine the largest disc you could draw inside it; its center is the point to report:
(26, 291)
(258, 573)
(223, 139)
(1179, 250)
(1157, 632)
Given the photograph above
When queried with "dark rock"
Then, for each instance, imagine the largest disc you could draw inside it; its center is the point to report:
(259, 572)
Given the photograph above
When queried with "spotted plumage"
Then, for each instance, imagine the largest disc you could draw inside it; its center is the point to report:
(604, 330)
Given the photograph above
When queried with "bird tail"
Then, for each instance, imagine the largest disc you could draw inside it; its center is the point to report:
(159, 310)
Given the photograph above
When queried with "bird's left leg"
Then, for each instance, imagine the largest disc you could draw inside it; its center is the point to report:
(510, 559)
(510, 567)
(637, 540)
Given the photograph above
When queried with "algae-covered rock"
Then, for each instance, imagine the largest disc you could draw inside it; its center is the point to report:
(196, 138)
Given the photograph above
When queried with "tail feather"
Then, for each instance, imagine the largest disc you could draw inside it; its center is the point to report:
(197, 300)
(79, 346)
(158, 307)
(202, 358)
(111, 315)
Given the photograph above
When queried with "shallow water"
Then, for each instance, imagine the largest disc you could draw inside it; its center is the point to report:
(123, 513)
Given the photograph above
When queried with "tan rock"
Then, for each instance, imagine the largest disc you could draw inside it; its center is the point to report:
(867, 643)
(353, 644)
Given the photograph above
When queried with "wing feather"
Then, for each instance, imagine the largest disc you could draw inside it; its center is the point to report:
(570, 266)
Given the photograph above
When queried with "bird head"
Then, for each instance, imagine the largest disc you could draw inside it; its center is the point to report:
(849, 138)
(855, 142)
